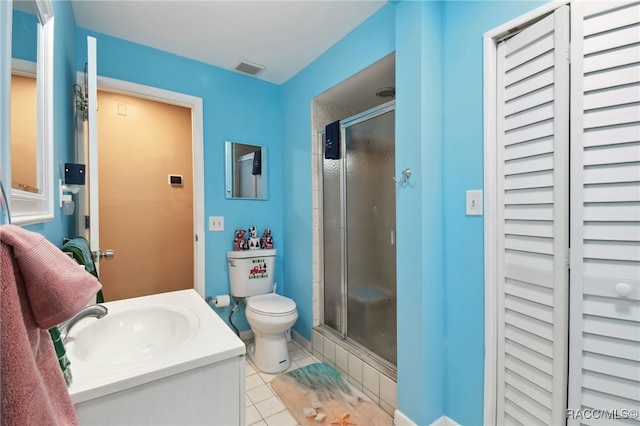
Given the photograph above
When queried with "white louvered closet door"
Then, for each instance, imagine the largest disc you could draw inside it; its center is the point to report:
(605, 213)
(532, 209)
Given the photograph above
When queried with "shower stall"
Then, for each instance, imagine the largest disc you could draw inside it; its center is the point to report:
(358, 235)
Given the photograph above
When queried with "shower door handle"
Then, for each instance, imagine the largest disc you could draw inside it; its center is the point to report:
(393, 238)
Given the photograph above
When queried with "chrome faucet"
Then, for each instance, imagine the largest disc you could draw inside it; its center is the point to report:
(96, 311)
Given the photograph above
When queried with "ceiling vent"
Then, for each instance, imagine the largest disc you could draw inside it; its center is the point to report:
(249, 67)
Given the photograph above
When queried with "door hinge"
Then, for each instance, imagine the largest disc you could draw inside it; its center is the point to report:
(569, 52)
(87, 222)
(567, 258)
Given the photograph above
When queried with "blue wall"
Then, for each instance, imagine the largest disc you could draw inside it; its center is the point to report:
(419, 211)
(370, 42)
(464, 24)
(24, 36)
(236, 108)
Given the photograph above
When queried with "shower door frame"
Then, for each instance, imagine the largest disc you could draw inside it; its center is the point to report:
(342, 333)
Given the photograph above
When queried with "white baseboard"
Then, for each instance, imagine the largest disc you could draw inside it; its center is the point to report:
(399, 419)
(444, 421)
(297, 337)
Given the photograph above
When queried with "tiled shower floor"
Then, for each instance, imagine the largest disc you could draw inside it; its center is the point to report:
(263, 405)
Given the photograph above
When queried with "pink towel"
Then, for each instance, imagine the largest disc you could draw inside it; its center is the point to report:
(40, 287)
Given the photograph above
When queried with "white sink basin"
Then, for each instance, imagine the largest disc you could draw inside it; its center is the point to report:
(131, 334)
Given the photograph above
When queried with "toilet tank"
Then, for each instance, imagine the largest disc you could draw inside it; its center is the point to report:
(251, 272)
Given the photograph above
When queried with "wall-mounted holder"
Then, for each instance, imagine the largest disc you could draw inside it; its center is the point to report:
(65, 194)
(406, 174)
(74, 180)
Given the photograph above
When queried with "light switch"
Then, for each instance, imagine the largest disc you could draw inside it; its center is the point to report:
(474, 203)
(216, 223)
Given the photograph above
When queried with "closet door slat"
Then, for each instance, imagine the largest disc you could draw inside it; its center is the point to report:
(529, 133)
(532, 115)
(620, 17)
(529, 148)
(618, 37)
(615, 96)
(530, 68)
(612, 59)
(628, 212)
(612, 78)
(536, 229)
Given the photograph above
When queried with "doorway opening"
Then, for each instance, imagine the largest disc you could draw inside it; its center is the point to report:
(151, 190)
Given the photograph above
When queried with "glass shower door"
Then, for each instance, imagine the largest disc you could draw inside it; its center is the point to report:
(370, 215)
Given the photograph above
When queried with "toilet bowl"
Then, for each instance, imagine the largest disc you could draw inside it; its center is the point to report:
(270, 316)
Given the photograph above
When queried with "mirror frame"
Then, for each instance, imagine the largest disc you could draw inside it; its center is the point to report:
(28, 208)
(229, 165)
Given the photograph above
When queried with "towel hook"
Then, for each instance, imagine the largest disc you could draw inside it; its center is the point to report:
(406, 174)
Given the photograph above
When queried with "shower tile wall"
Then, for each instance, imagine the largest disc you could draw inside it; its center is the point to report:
(380, 388)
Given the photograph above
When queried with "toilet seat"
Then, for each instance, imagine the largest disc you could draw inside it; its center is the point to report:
(271, 304)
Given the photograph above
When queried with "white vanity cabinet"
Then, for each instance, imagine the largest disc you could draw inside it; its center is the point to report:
(166, 359)
(209, 395)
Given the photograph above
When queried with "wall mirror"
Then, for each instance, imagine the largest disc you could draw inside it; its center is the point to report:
(246, 171)
(29, 166)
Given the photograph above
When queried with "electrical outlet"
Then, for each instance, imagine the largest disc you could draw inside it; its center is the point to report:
(216, 223)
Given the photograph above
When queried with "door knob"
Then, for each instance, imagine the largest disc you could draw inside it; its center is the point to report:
(622, 289)
(106, 255)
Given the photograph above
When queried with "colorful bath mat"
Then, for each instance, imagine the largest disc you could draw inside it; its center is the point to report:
(318, 395)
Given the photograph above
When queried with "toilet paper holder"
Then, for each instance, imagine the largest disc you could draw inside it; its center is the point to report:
(219, 301)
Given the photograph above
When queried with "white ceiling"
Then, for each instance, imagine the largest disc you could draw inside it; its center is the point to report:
(284, 36)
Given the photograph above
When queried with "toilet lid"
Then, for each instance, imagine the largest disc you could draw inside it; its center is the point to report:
(271, 304)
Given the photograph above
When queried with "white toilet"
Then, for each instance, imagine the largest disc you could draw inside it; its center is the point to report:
(269, 314)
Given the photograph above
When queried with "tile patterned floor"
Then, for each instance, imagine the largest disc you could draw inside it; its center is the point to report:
(264, 408)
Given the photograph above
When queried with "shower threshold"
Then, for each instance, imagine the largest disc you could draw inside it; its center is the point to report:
(361, 352)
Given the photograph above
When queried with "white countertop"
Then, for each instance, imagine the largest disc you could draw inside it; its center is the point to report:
(213, 341)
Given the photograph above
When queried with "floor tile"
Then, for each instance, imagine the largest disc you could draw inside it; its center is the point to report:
(250, 369)
(253, 415)
(254, 381)
(302, 362)
(298, 354)
(266, 377)
(270, 407)
(283, 418)
(260, 393)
